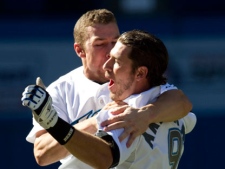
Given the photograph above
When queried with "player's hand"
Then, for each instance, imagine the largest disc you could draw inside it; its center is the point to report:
(39, 101)
(115, 105)
(133, 120)
(40, 83)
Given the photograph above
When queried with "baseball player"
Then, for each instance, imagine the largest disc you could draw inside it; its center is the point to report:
(162, 141)
(95, 33)
(161, 146)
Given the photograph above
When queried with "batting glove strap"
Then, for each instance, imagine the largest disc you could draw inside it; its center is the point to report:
(48, 116)
(62, 131)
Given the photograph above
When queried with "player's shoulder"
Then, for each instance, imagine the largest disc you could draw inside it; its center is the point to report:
(72, 75)
(167, 87)
(68, 78)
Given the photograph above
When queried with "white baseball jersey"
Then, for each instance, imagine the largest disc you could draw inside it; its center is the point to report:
(73, 98)
(161, 146)
(136, 101)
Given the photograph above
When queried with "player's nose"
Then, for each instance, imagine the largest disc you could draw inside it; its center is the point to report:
(108, 65)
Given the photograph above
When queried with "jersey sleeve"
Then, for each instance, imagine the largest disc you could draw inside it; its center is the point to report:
(32, 134)
(123, 150)
(190, 121)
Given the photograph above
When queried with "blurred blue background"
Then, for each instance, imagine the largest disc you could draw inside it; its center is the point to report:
(36, 40)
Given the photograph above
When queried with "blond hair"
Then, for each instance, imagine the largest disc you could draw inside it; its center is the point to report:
(90, 18)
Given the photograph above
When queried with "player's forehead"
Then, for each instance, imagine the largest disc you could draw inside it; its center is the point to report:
(120, 52)
(100, 32)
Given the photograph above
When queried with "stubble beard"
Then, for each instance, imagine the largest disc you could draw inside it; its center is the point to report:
(118, 94)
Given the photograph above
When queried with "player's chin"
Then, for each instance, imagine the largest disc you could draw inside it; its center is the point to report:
(113, 96)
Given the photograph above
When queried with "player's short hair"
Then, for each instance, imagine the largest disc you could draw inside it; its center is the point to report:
(90, 18)
(147, 50)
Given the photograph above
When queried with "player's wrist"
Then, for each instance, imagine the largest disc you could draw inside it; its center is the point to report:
(62, 131)
(149, 113)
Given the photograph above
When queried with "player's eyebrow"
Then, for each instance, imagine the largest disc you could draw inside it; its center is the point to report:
(99, 39)
(102, 39)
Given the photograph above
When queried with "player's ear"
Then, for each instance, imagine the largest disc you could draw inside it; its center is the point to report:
(79, 50)
(142, 72)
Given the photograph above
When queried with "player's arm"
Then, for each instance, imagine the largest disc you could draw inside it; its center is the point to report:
(90, 149)
(170, 106)
(86, 147)
(47, 150)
